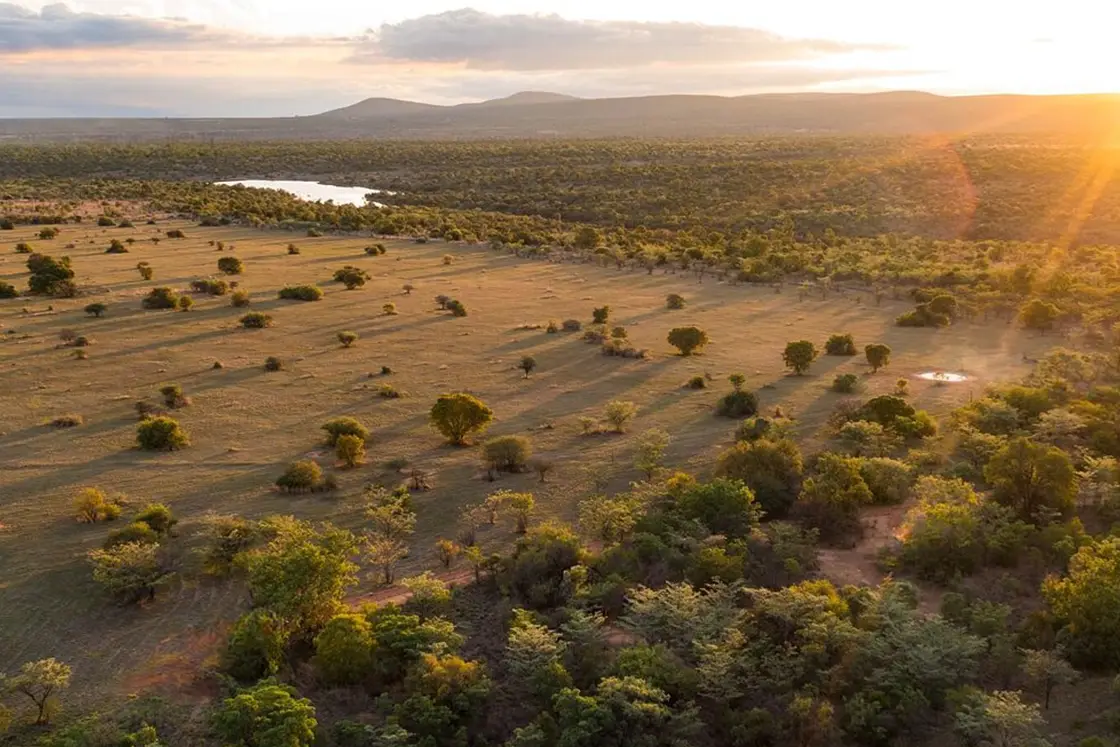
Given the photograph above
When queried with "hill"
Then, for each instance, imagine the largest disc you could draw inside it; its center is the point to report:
(538, 114)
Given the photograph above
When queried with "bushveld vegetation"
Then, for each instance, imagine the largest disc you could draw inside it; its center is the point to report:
(758, 562)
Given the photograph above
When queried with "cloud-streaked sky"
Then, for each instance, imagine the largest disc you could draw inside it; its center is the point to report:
(284, 57)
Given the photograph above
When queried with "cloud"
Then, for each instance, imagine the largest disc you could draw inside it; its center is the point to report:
(59, 27)
(548, 42)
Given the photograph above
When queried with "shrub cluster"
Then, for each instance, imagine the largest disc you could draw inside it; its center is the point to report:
(840, 345)
(50, 276)
(301, 293)
(352, 277)
(210, 286)
(161, 298)
(256, 320)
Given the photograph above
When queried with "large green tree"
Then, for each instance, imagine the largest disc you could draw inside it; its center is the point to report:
(1086, 603)
(1037, 480)
(266, 715)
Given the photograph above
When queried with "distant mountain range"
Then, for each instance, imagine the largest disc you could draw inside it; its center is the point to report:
(542, 114)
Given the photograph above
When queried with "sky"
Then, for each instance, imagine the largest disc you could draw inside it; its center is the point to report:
(220, 58)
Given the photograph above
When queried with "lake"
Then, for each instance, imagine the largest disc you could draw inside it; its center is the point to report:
(313, 191)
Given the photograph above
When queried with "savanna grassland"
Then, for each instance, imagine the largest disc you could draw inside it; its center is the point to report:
(247, 424)
(764, 543)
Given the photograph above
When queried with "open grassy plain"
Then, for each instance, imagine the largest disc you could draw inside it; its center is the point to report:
(246, 424)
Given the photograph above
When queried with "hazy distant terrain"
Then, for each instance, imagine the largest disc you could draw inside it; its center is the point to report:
(534, 114)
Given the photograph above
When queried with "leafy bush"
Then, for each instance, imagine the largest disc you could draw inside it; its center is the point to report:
(159, 517)
(96, 309)
(572, 325)
(553, 327)
(67, 421)
(389, 309)
(106, 222)
(91, 506)
(273, 364)
(161, 298)
(888, 479)
(527, 364)
(173, 396)
(344, 426)
(23, 248)
(293, 249)
(840, 345)
(145, 270)
(845, 383)
(136, 532)
(674, 301)
(344, 650)
(724, 506)
(301, 477)
(132, 571)
(1039, 315)
(601, 315)
(388, 391)
(697, 382)
(448, 259)
(507, 453)
(7, 290)
(49, 233)
(738, 404)
(352, 277)
(240, 299)
(688, 339)
(161, 434)
(457, 308)
(210, 286)
(230, 265)
(266, 714)
(375, 250)
(458, 415)
(347, 338)
(256, 320)
(6, 224)
(116, 246)
(176, 234)
(301, 293)
(622, 349)
(923, 316)
(185, 303)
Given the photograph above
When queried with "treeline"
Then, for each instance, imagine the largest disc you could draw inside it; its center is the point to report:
(979, 188)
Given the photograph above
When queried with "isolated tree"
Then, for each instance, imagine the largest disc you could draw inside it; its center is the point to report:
(601, 315)
(520, 506)
(91, 505)
(40, 681)
(384, 554)
(145, 270)
(1047, 670)
(527, 364)
(1037, 480)
(350, 449)
(799, 355)
(878, 356)
(447, 551)
(344, 650)
(618, 413)
(688, 340)
(131, 571)
(651, 448)
(97, 309)
(347, 338)
(457, 416)
(264, 715)
(674, 301)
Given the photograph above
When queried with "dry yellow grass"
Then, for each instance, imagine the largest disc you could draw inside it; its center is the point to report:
(247, 424)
